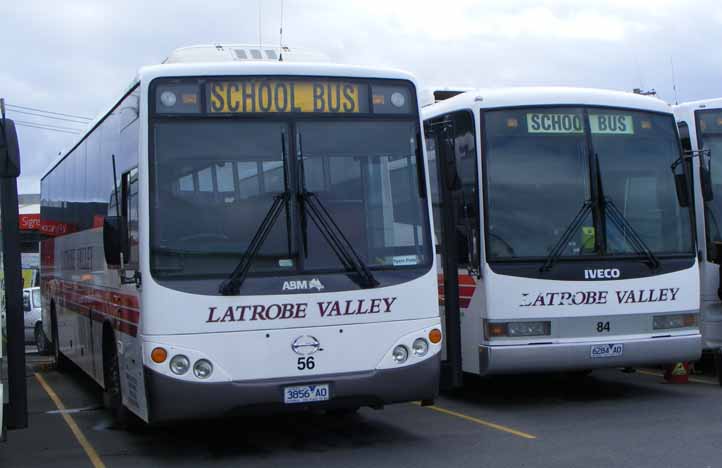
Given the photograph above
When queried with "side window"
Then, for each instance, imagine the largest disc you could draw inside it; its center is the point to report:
(466, 200)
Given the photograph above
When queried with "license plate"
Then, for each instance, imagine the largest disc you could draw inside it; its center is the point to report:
(607, 350)
(306, 393)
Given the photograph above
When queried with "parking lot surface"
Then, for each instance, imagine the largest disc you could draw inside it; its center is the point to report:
(608, 419)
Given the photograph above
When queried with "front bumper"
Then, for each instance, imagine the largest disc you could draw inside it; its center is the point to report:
(171, 399)
(577, 356)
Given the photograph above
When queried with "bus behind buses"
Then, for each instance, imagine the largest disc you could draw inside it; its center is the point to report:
(566, 214)
(700, 131)
(239, 233)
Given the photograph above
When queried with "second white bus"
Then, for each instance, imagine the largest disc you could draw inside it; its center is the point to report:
(567, 214)
(700, 131)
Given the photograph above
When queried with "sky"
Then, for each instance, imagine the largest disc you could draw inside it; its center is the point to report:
(76, 56)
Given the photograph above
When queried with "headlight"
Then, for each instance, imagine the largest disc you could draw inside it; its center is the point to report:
(517, 329)
(400, 354)
(179, 364)
(420, 347)
(665, 322)
(202, 369)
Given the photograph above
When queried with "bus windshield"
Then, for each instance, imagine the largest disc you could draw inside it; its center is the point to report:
(539, 167)
(214, 181)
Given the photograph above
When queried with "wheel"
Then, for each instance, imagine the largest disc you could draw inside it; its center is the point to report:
(61, 362)
(113, 394)
(41, 341)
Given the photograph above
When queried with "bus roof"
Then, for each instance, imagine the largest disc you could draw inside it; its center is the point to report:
(488, 98)
(237, 68)
(692, 106)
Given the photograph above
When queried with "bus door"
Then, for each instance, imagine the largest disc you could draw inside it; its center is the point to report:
(445, 182)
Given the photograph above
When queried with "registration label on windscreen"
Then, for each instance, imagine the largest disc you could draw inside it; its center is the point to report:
(607, 350)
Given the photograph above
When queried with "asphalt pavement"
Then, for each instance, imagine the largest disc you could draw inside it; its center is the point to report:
(608, 419)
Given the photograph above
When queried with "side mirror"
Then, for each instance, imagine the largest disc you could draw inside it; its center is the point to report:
(115, 240)
(9, 150)
(680, 184)
(26, 302)
(705, 174)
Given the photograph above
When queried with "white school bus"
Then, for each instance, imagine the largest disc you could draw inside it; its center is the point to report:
(565, 215)
(239, 233)
(700, 131)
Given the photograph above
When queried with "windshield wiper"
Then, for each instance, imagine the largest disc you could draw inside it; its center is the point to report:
(630, 234)
(615, 215)
(563, 241)
(339, 243)
(233, 283)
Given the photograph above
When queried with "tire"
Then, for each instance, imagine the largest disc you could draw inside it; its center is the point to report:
(41, 341)
(61, 362)
(123, 418)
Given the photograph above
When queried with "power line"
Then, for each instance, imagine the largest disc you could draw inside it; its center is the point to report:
(47, 111)
(48, 116)
(39, 127)
(49, 125)
(45, 127)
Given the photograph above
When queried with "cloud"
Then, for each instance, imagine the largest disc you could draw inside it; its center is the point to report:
(77, 57)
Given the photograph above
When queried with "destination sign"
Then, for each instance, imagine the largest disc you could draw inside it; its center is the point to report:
(615, 124)
(558, 123)
(286, 96)
(554, 123)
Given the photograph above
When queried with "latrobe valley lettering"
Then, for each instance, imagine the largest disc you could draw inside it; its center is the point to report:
(624, 296)
(291, 310)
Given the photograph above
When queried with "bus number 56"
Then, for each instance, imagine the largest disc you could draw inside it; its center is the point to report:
(306, 363)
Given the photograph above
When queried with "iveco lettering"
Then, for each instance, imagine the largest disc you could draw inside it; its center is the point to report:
(241, 232)
(565, 231)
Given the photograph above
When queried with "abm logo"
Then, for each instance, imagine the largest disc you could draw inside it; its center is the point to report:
(302, 285)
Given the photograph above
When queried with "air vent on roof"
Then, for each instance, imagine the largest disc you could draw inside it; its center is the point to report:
(242, 52)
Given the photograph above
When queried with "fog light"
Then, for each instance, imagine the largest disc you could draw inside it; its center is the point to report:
(420, 347)
(179, 364)
(168, 98)
(665, 322)
(400, 354)
(202, 369)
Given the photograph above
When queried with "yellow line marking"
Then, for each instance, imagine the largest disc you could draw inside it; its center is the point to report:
(492, 425)
(89, 450)
(691, 379)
